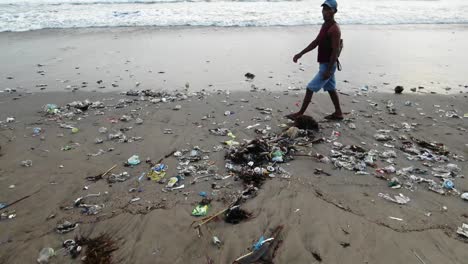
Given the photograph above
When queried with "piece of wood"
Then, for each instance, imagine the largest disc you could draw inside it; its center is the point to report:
(19, 200)
(109, 170)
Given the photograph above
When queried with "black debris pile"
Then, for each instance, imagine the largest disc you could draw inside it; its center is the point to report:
(98, 250)
(235, 215)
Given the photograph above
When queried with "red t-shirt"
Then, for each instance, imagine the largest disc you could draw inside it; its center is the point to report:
(325, 43)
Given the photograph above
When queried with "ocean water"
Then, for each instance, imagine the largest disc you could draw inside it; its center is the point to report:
(24, 15)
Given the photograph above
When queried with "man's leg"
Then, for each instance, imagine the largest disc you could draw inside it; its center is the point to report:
(336, 103)
(305, 104)
(330, 87)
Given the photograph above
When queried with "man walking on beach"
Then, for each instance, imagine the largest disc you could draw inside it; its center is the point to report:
(328, 42)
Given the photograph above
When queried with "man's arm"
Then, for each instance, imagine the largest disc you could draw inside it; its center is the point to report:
(335, 35)
(310, 47)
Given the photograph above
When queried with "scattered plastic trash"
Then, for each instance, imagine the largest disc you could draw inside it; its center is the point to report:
(172, 181)
(75, 130)
(383, 137)
(265, 249)
(26, 163)
(45, 254)
(463, 230)
(399, 199)
(66, 148)
(136, 199)
(139, 121)
(464, 196)
(252, 126)
(7, 214)
(220, 131)
(200, 210)
(102, 130)
(448, 184)
(66, 227)
(113, 178)
(394, 183)
(125, 118)
(217, 242)
(133, 160)
(51, 109)
(277, 156)
(231, 143)
(158, 172)
(37, 131)
(72, 247)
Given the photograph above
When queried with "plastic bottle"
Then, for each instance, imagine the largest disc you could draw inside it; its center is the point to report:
(45, 254)
(464, 196)
(448, 184)
(37, 131)
(134, 160)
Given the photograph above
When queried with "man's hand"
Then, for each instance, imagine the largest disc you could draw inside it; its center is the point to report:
(326, 75)
(297, 57)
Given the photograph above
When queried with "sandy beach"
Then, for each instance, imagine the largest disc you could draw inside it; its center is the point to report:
(332, 217)
(218, 58)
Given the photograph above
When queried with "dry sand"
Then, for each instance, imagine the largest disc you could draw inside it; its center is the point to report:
(318, 212)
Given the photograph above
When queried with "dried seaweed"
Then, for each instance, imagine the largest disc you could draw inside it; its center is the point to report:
(306, 122)
(99, 249)
(235, 215)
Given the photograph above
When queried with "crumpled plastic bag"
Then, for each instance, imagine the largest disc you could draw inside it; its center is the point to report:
(200, 210)
(399, 199)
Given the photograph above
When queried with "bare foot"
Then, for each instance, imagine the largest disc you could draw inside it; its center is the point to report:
(334, 116)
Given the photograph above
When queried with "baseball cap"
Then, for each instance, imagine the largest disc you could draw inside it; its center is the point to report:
(332, 4)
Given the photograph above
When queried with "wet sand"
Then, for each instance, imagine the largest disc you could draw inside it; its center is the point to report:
(380, 56)
(320, 213)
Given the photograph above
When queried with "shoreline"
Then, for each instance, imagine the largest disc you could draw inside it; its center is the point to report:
(421, 26)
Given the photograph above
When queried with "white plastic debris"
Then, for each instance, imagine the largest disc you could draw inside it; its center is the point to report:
(382, 137)
(26, 163)
(399, 199)
(45, 254)
(463, 230)
(388, 154)
(252, 126)
(464, 196)
(139, 121)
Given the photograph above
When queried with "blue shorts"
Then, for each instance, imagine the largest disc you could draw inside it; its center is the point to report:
(318, 82)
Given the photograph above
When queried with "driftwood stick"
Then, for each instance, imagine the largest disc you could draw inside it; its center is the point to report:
(19, 200)
(109, 170)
